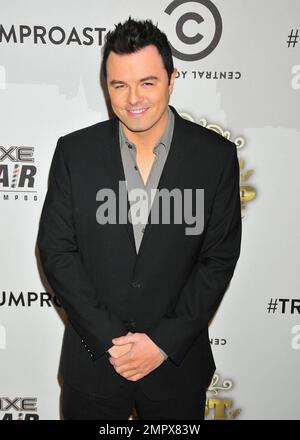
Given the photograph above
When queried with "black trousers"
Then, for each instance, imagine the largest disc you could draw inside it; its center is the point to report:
(131, 401)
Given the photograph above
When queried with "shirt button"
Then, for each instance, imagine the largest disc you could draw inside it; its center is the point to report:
(143, 230)
(135, 167)
(129, 146)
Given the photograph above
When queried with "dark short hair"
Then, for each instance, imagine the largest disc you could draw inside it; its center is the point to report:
(132, 35)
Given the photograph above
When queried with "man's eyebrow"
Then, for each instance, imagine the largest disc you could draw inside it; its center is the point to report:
(150, 77)
(147, 78)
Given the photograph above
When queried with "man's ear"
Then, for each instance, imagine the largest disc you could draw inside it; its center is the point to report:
(172, 80)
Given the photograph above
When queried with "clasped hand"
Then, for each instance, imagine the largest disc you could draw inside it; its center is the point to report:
(135, 355)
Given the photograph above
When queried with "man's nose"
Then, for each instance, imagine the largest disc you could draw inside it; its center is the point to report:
(134, 96)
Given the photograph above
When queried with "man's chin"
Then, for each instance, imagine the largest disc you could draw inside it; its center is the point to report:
(137, 128)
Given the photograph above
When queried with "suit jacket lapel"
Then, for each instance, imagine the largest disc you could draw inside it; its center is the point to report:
(168, 178)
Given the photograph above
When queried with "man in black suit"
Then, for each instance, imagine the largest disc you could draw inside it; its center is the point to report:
(139, 294)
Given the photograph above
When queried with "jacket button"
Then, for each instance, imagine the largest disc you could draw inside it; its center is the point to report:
(132, 324)
(136, 284)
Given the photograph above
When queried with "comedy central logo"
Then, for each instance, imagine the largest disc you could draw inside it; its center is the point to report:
(188, 25)
(164, 206)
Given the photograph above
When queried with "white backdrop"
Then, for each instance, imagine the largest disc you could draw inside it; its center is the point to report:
(248, 88)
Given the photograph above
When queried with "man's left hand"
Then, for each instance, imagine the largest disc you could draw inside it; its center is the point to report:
(143, 357)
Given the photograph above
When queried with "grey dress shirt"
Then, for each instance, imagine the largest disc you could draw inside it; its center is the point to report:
(133, 176)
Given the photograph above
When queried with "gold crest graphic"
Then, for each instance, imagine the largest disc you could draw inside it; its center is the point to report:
(218, 408)
(247, 191)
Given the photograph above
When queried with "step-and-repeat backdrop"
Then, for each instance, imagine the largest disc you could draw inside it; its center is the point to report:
(239, 74)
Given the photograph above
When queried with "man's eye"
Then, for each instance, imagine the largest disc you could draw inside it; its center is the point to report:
(148, 83)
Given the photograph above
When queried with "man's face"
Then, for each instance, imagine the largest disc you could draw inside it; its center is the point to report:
(138, 87)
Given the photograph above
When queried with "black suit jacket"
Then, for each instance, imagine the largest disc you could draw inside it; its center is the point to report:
(170, 290)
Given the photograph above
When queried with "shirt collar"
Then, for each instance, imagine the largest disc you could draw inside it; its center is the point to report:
(165, 139)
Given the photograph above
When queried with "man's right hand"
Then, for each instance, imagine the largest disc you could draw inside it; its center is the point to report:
(118, 350)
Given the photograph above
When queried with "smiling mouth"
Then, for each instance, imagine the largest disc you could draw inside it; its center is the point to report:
(137, 113)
